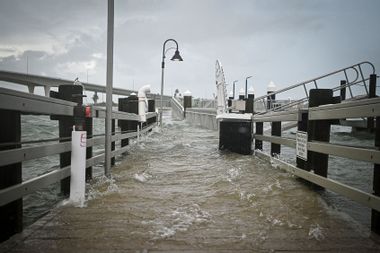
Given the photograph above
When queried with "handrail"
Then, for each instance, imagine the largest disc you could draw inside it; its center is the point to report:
(31, 103)
(178, 104)
(369, 107)
(37, 80)
(356, 67)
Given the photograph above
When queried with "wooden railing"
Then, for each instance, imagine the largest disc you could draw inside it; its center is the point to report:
(13, 154)
(313, 146)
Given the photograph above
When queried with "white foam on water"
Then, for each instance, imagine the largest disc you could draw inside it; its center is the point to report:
(179, 220)
(101, 186)
(316, 232)
(233, 174)
(269, 188)
(142, 177)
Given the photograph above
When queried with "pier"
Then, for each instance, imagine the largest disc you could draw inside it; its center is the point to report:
(294, 168)
(194, 200)
(182, 193)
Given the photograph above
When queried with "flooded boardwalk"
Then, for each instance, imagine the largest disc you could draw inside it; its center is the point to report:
(176, 192)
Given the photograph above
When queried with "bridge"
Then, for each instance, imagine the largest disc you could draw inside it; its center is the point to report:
(172, 190)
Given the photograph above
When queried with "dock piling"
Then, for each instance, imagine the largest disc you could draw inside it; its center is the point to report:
(319, 130)
(275, 149)
(11, 213)
(375, 216)
(302, 126)
(259, 130)
(372, 94)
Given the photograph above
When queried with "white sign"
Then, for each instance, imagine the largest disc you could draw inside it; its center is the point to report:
(301, 145)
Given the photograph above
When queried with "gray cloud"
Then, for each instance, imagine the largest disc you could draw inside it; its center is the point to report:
(285, 41)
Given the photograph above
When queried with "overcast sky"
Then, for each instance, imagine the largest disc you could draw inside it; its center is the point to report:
(286, 41)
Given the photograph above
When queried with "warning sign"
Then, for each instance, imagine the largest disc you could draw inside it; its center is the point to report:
(301, 145)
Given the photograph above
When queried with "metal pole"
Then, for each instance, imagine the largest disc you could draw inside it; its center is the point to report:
(110, 22)
(162, 88)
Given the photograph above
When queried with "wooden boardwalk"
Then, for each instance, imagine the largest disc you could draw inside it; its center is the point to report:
(112, 223)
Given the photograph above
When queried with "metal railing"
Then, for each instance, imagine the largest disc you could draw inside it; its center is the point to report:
(358, 79)
(31, 81)
(368, 108)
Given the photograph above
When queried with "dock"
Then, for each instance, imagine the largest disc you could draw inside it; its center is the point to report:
(176, 188)
(192, 208)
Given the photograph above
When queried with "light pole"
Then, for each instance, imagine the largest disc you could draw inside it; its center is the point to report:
(246, 83)
(176, 57)
(233, 88)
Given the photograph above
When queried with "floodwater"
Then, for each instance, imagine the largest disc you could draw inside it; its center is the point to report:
(176, 191)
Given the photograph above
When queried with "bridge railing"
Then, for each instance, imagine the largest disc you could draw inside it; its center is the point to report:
(356, 80)
(13, 104)
(313, 147)
(178, 112)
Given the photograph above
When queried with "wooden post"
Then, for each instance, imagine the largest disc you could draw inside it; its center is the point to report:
(113, 143)
(187, 101)
(229, 103)
(342, 90)
(302, 126)
(275, 149)
(72, 93)
(89, 128)
(375, 217)
(11, 213)
(259, 130)
(122, 106)
(132, 106)
(249, 103)
(319, 130)
(152, 108)
(371, 94)
(236, 136)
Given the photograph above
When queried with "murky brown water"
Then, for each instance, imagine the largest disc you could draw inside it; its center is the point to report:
(175, 191)
(178, 187)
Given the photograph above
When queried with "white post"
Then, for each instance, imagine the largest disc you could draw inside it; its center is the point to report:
(78, 167)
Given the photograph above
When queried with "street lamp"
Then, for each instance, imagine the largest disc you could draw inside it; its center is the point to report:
(233, 88)
(176, 57)
(246, 83)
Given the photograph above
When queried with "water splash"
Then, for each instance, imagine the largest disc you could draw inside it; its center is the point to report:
(316, 232)
(179, 220)
(101, 186)
(142, 177)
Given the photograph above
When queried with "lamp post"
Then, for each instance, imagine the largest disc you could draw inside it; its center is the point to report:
(233, 89)
(246, 83)
(176, 57)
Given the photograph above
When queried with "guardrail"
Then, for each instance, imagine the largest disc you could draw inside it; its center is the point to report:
(312, 143)
(358, 80)
(31, 81)
(12, 154)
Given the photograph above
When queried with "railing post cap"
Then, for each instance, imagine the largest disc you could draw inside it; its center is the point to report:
(271, 86)
(187, 93)
(251, 90)
(241, 92)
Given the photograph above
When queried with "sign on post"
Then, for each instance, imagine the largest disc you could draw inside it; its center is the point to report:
(301, 145)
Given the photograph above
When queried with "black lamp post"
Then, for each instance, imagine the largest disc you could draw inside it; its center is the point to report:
(246, 83)
(176, 57)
